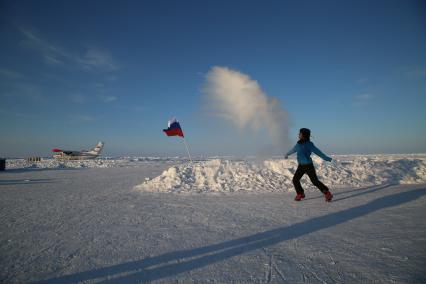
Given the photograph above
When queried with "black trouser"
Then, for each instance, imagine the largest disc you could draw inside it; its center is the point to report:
(310, 170)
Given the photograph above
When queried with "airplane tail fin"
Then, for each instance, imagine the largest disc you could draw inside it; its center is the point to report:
(98, 148)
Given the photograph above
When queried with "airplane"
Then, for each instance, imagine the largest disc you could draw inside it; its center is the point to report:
(78, 155)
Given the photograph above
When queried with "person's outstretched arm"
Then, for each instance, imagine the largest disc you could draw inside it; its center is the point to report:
(293, 150)
(320, 154)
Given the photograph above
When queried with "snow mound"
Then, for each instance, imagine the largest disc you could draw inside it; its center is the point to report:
(220, 175)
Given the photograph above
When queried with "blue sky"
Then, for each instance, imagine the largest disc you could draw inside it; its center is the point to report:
(75, 72)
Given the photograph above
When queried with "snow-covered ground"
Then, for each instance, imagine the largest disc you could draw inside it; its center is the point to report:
(115, 220)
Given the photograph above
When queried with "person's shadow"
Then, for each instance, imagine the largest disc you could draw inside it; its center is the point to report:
(173, 263)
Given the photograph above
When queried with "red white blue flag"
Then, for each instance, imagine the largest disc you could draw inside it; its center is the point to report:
(174, 128)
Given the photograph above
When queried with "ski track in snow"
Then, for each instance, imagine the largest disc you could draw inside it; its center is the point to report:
(90, 225)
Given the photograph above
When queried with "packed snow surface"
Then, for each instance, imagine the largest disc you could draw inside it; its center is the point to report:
(222, 175)
(89, 225)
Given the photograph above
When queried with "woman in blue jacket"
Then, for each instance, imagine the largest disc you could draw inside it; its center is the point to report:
(304, 148)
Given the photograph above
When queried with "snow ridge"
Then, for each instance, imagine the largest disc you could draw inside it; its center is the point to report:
(221, 175)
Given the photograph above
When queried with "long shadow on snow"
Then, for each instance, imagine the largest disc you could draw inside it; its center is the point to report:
(186, 260)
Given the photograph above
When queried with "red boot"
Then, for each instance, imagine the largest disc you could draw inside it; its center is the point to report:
(328, 196)
(299, 196)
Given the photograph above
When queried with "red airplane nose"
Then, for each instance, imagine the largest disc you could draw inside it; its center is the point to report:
(56, 150)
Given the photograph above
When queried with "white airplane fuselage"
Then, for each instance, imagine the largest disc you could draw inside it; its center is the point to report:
(78, 155)
(63, 156)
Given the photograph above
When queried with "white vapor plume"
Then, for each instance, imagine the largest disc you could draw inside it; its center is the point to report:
(239, 99)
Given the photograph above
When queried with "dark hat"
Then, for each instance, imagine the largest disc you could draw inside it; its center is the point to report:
(306, 133)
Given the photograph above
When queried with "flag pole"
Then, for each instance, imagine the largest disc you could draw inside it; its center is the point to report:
(184, 141)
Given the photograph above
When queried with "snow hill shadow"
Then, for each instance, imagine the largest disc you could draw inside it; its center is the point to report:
(25, 181)
(173, 263)
(30, 169)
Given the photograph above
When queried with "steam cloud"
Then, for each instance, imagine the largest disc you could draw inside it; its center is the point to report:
(236, 97)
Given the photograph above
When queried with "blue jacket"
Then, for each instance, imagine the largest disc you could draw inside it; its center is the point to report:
(304, 151)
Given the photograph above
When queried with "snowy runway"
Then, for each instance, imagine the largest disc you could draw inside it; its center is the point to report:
(90, 225)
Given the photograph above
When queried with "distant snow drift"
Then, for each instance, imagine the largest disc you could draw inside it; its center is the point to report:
(126, 162)
(236, 97)
(276, 175)
(225, 175)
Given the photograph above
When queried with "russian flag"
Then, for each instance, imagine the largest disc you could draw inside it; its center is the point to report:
(173, 128)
